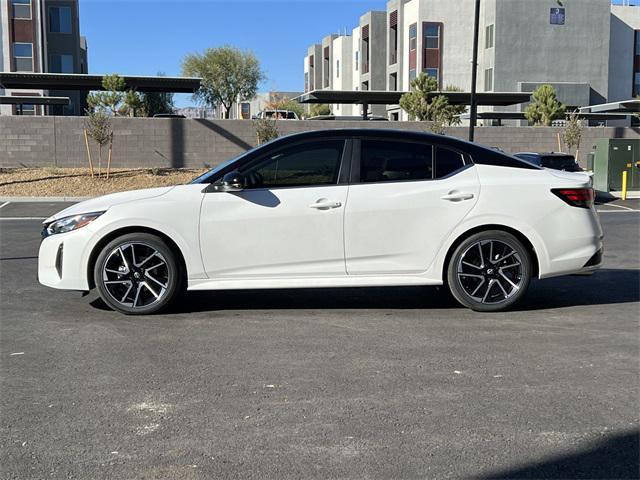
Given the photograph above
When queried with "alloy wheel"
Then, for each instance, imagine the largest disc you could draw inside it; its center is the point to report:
(135, 275)
(490, 271)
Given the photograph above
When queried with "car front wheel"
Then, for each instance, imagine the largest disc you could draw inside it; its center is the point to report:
(137, 274)
(489, 271)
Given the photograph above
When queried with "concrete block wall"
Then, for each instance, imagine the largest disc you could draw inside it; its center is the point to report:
(196, 143)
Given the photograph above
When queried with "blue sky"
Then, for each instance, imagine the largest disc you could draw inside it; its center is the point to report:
(145, 37)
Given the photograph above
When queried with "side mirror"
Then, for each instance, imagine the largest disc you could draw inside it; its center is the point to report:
(232, 182)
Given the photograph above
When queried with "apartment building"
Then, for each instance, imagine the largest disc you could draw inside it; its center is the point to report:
(42, 36)
(587, 49)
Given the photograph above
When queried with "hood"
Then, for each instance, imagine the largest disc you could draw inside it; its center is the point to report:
(100, 204)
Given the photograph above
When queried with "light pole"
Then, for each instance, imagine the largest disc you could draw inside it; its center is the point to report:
(474, 74)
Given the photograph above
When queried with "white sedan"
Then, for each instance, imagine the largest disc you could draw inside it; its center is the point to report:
(333, 208)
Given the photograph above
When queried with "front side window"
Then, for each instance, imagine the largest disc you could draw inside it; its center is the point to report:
(61, 64)
(447, 162)
(309, 164)
(389, 161)
(21, 9)
(23, 57)
(60, 19)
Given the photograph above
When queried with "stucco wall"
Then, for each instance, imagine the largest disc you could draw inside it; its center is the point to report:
(154, 142)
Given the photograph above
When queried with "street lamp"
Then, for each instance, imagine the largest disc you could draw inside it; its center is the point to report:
(474, 74)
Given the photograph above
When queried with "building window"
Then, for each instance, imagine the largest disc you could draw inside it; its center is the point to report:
(412, 75)
(488, 79)
(413, 37)
(338, 68)
(488, 37)
(326, 67)
(365, 49)
(26, 109)
(557, 16)
(21, 9)
(393, 82)
(61, 64)
(431, 52)
(357, 60)
(393, 38)
(23, 57)
(432, 36)
(60, 19)
(306, 81)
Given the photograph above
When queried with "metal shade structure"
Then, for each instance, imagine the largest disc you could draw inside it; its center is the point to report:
(521, 116)
(625, 106)
(35, 100)
(77, 81)
(383, 97)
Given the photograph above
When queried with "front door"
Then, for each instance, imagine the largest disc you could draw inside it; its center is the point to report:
(287, 222)
(406, 200)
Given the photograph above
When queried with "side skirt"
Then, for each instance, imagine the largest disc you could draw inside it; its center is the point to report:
(310, 282)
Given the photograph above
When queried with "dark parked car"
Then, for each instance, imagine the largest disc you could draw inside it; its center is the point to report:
(555, 161)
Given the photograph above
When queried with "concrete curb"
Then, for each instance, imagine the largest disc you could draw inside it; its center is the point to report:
(43, 199)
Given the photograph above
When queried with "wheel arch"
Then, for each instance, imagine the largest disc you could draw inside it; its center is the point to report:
(95, 252)
(535, 261)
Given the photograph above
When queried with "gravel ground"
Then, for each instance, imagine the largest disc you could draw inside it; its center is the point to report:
(77, 182)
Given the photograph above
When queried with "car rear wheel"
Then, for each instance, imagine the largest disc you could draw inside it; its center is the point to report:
(137, 274)
(489, 271)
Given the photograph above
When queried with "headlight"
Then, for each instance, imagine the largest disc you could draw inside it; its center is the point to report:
(68, 224)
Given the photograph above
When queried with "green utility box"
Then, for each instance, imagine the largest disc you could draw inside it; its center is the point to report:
(612, 157)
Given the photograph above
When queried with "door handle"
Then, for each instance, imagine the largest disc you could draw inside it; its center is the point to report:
(457, 196)
(324, 204)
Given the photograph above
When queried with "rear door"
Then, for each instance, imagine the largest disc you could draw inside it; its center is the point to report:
(404, 200)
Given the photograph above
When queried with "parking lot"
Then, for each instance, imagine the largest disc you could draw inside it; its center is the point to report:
(344, 383)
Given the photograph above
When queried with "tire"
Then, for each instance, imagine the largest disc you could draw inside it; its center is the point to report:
(489, 272)
(137, 274)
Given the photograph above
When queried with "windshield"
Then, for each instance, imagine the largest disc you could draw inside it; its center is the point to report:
(204, 178)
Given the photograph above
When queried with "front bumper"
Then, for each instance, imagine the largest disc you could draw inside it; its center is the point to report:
(60, 261)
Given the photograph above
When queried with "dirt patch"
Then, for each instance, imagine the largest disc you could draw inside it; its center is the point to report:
(77, 182)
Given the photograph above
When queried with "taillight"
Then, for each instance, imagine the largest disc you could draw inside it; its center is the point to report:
(576, 197)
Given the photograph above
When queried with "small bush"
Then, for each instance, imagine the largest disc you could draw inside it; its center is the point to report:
(266, 130)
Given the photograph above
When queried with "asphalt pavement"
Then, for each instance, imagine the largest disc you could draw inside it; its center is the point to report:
(337, 383)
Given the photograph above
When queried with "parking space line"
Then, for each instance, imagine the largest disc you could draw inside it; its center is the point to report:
(5, 204)
(617, 206)
(618, 211)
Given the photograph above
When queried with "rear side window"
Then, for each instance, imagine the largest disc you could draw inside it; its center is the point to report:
(447, 162)
(388, 161)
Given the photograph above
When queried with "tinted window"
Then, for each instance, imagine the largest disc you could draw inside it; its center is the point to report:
(60, 19)
(534, 159)
(447, 162)
(386, 161)
(307, 164)
(560, 162)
